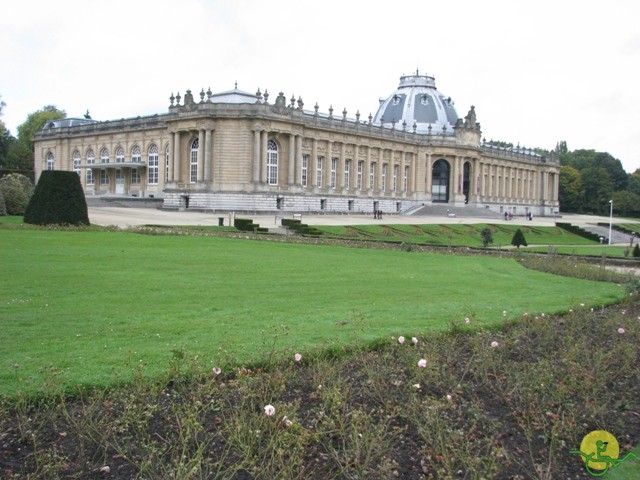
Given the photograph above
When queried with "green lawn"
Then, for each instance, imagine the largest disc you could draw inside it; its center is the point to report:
(88, 307)
(456, 235)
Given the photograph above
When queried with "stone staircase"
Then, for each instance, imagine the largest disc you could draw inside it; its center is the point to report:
(443, 210)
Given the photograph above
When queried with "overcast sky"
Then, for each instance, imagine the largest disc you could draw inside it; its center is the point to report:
(537, 72)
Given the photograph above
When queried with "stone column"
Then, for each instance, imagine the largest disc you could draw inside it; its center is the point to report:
(256, 156)
(340, 169)
(403, 163)
(326, 166)
(264, 138)
(422, 188)
(381, 161)
(291, 171)
(171, 175)
(208, 157)
(490, 179)
(297, 180)
(176, 157)
(201, 135)
(366, 180)
(312, 167)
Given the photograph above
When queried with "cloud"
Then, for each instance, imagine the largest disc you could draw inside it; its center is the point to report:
(537, 73)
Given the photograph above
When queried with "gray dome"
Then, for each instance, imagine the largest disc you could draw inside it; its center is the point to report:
(417, 100)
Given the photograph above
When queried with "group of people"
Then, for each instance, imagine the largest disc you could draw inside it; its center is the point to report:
(377, 214)
(509, 216)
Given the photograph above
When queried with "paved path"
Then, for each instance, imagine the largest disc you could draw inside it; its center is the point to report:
(127, 217)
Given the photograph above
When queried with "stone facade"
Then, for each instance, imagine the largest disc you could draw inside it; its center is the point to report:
(235, 151)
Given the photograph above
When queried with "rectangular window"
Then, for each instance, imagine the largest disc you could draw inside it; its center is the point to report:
(166, 166)
(193, 172)
(272, 167)
(104, 177)
(359, 176)
(90, 161)
(135, 176)
(395, 178)
(76, 165)
(305, 168)
(152, 173)
(334, 168)
(347, 171)
(319, 172)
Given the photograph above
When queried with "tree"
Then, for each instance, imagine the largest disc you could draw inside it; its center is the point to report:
(518, 239)
(487, 237)
(27, 130)
(571, 189)
(598, 189)
(633, 183)
(16, 190)
(2, 126)
(626, 203)
(58, 199)
(561, 147)
(614, 167)
(35, 121)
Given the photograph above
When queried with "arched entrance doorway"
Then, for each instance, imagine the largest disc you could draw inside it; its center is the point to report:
(440, 181)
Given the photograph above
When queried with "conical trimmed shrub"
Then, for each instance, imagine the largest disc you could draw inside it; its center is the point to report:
(58, 199)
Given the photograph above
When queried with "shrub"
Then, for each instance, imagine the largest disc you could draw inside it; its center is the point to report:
(636, 250)
(16, 190)
(300, 228)
(247, 225)
(518, 239)
(487, 237)
(3, 206)
(57, 199)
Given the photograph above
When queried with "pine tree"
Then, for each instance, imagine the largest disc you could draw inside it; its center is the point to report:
(518, 239)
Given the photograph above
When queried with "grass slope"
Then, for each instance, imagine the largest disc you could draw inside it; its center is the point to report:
(89, 307)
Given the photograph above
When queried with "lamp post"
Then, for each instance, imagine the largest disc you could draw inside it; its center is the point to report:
(610, 219)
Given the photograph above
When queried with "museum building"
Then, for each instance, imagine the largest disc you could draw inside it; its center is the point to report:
(237, 151)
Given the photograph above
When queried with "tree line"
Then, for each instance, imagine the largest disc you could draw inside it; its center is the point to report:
(16, 152)
(590, 179)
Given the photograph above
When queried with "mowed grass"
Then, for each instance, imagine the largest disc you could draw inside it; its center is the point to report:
(92, 308)
(456, 235)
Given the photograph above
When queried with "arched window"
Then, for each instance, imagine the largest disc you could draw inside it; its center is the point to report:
(193, 161)
(104, 156)
(91, 159)
(76, 162)
(50, 161)
(440, 181)
(272, 162)
(167, 159)
(136, 156)
(153, 165)
(119, 155)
